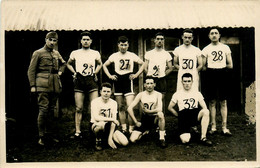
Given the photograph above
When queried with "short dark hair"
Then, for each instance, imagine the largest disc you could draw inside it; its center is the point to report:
(107, 85)
(85, 33)
(122, 39)
(187, 31)
(149, 77)
(214, 27)
(159, 34)
(187, 75)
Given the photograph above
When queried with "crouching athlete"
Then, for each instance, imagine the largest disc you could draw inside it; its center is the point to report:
(192, 109)
(104, 119)
(152, 116)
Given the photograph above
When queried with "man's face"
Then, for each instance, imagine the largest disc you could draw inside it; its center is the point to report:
(123, 46)
(214, 35)
(187, 38)
(159, 41)
(51, 42)
(86, 41)
(187, 83)
(105, 93)
(149, 85)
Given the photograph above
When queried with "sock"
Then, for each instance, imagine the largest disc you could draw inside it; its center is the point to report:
(124, 127)
(131, 128)
(161, 133)
(202, 137)
(77, 133)
(213, 127)
(224, 125)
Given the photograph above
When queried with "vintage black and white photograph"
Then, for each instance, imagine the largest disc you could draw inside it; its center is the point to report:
(121, 83)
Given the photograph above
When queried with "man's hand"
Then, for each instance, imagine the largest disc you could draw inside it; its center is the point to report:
(116, 122)
(175, 114)
(111, 143)
(95, 78)
(138, 124)
(113, 77)
(74, 76)
(132, 76)
(33, 89)
(59, 73)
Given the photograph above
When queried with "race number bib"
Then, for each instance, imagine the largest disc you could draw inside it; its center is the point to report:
(88, 70)
(149, 106)
(189, 103)
(106, 113)
(217, 55)
(187, 64)
(124, 64)
(156, 69)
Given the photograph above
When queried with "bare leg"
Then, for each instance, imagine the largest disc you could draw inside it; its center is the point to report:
(212, 109)
(224, 111)
(161, 122)
(129, 100)
(204, 116)
(79, 101)
(163, 103)
(121, 109)
(92, 95)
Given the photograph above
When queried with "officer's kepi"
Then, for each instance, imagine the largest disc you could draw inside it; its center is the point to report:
(52, 35)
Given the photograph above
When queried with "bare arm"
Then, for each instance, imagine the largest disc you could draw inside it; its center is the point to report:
(176, 62)
(204, 62)
(170, 68)
(99, 65)
(171, 108)
(146, 63)
(130, 109)
(133, 76)
(200, 63)
(105, 65)
(110, 136)
(229, 61)
(202, 104)
(70, 67)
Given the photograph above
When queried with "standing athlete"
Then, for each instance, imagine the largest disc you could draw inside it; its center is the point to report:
(104, 119)
(192, 108)
(158, 64)
(123, 78)
(217, 59)
(187, 59)
(85, 76)
(151, 103)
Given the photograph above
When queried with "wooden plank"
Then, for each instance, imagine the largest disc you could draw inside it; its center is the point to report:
(242, 90)
(141, 55)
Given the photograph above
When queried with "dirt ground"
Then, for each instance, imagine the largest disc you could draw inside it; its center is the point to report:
(240, 147)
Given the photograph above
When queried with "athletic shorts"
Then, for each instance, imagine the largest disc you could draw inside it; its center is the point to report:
(85, 84)
(187, 118)
(105, 133)
(160, 84)
(148, 123)
(123, 85)
(217, 84)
